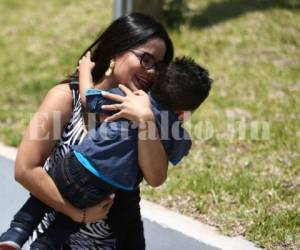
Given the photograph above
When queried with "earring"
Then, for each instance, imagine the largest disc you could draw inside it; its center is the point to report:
(110, 69)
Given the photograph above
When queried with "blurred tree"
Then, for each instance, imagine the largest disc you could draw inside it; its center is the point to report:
(153, 7)
(174, 12)
(170, 12)
(150, 7)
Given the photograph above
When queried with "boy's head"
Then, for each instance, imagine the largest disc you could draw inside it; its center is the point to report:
(182, 86)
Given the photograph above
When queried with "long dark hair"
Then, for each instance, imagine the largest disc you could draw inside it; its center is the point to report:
(124, 33)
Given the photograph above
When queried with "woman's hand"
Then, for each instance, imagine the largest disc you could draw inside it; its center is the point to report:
(94, 213)
(152, 157)
(134, 106)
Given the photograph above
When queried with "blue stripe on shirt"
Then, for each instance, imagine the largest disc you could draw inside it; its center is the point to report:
(85, 163)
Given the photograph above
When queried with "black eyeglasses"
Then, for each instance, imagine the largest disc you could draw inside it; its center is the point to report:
(147, 60)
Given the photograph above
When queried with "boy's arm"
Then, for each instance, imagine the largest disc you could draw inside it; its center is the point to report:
(85, 76)
(94, 100)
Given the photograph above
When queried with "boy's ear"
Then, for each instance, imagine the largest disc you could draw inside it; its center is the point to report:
(183, 115)
(180, 115)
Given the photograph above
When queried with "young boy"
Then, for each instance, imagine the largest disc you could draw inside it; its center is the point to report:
(107, 158)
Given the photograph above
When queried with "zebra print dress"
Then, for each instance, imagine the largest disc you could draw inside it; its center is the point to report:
(95, 235)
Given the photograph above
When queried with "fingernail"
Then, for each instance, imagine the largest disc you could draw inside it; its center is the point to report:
(112, 196)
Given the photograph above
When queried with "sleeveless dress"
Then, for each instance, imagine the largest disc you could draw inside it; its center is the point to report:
(94, 235)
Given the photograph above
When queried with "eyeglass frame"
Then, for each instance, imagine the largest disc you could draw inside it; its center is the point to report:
(141, 54)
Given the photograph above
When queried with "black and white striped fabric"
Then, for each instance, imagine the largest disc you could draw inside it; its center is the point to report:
(93, 236)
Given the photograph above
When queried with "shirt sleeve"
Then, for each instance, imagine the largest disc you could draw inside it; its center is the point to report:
(174, 138)
(95, 99)
(180, 147)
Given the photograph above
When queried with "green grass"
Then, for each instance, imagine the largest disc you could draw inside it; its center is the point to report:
(244, 185)
(41, 43)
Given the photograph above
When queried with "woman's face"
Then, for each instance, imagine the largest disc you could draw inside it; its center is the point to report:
(130, 72)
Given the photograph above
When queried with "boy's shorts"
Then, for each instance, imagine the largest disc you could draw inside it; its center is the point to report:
(77, 185)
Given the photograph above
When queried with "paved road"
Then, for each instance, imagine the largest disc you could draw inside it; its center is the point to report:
(12, 195)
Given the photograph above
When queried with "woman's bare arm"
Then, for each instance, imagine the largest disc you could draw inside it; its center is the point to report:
(38, 142)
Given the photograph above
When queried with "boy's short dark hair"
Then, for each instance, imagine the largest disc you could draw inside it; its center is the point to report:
(182, 85)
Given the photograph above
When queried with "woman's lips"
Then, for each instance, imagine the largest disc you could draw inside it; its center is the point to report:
(142, 82)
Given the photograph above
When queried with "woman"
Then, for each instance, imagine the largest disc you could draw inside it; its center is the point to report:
(129, 52)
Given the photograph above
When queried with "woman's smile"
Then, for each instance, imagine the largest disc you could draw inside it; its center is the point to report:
(142, 82)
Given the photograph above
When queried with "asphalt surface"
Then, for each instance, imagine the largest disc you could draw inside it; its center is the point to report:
(158, 237)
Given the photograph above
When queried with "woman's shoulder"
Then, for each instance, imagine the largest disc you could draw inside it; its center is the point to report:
(61, 89)
(60, 92)
(58, 98)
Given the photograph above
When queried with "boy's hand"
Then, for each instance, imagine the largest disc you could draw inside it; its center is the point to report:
(85, 63)
(85, 75)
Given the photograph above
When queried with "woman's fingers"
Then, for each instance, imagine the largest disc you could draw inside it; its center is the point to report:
(125, 89)
(140, 92)
(114, 97)
(117, 106)
(107, 202)
(108, 207)
(114, 117)
(118, 98)
(99, 211)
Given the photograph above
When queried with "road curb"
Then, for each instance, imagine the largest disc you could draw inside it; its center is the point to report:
(8, 152)
(205, 234)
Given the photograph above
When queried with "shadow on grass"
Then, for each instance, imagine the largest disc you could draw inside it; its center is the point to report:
(176, 12)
